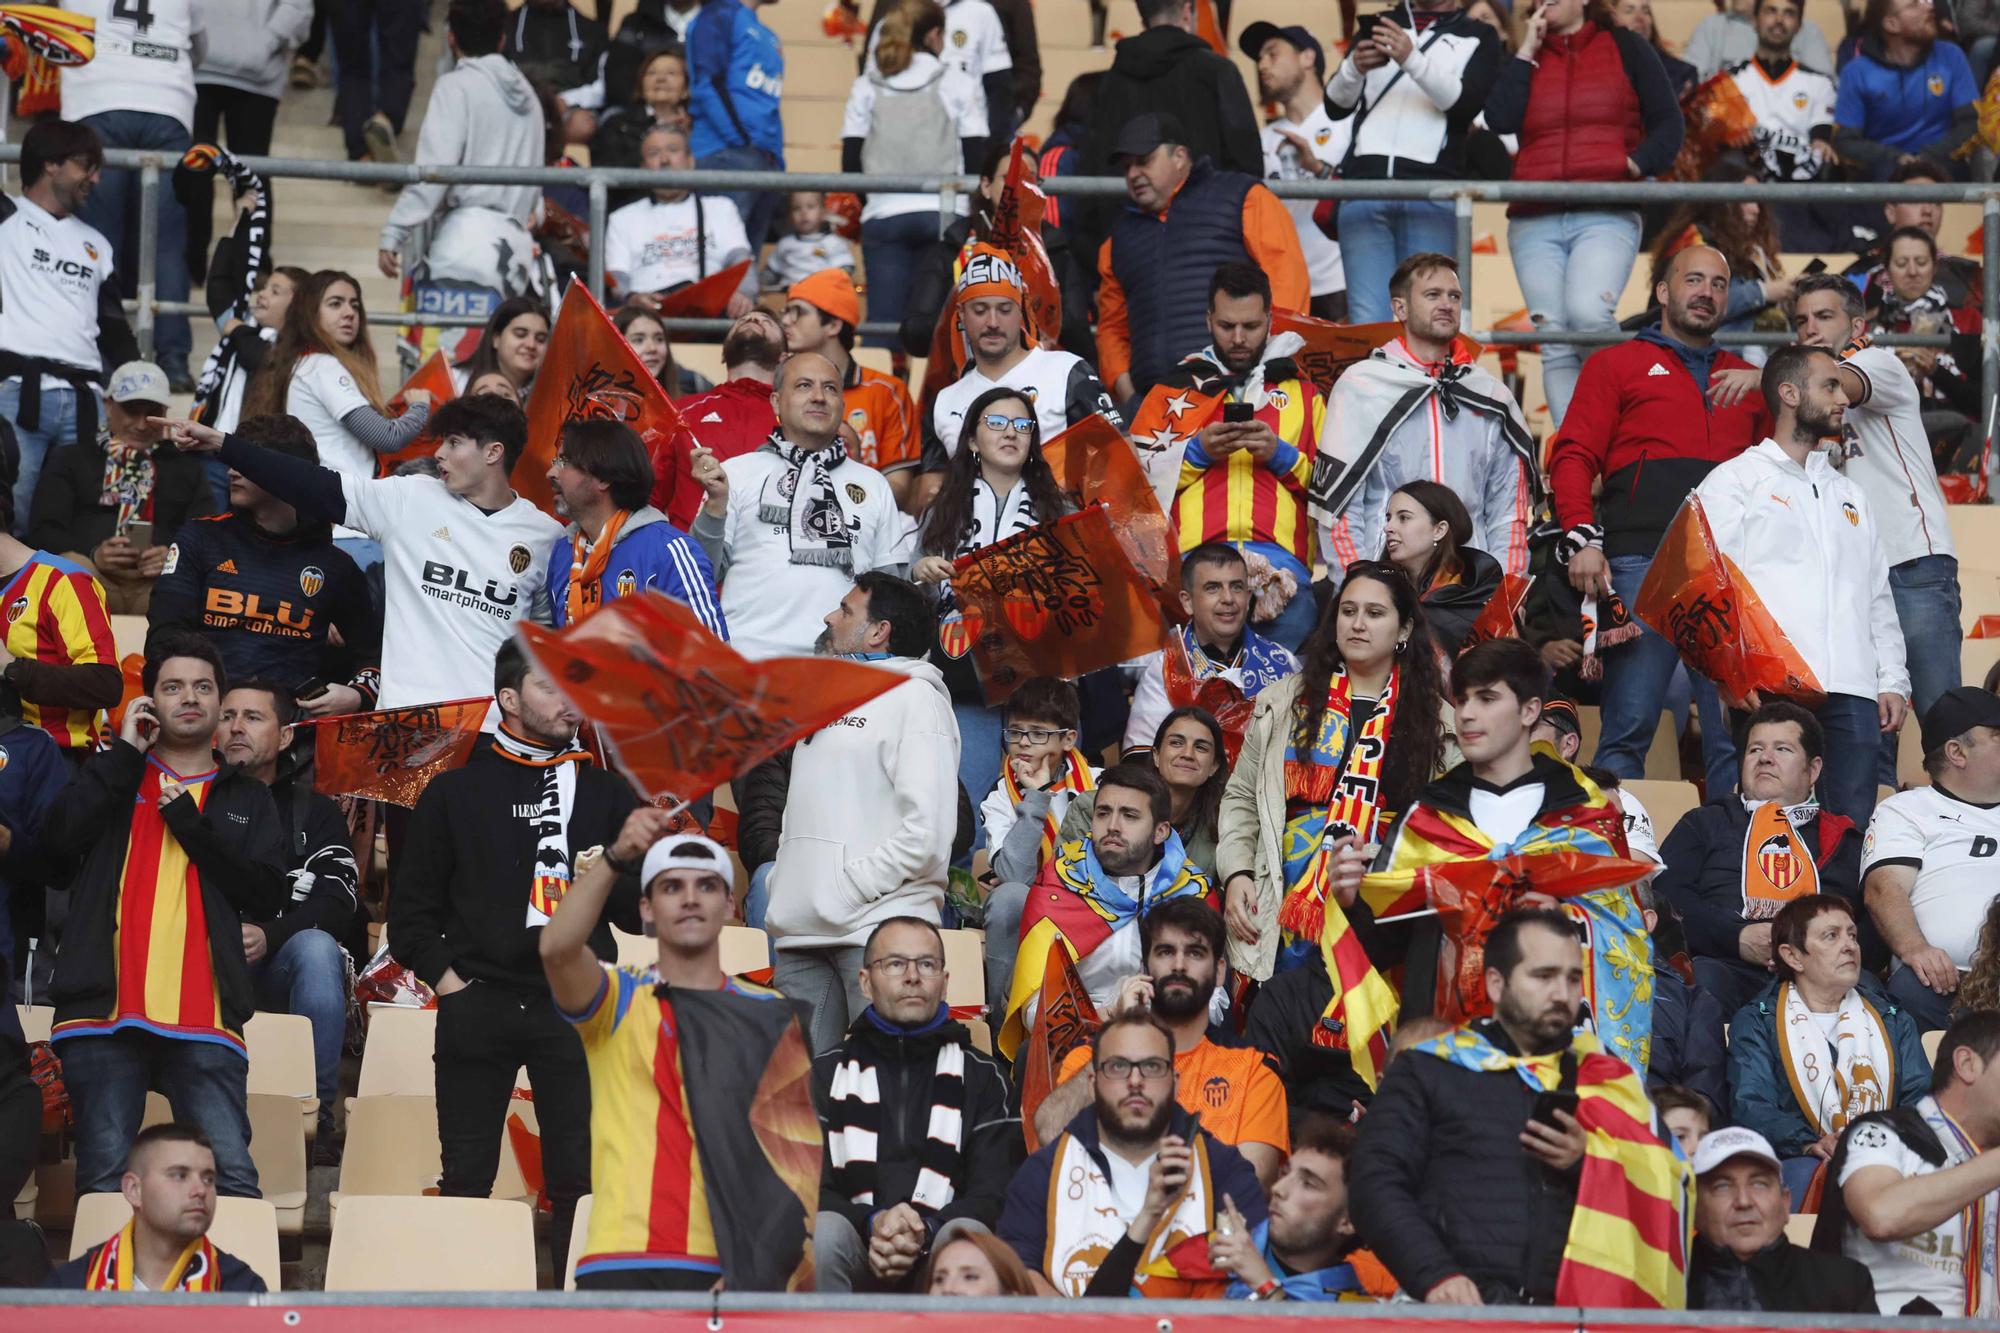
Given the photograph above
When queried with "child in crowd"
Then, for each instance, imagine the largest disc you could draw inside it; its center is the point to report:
(1686, 1113)
(1043, 772)
(811, 246)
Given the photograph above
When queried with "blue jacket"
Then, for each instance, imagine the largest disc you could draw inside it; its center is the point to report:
(650, 553)
(1908, 109)
(1761, 1096)
(736, 75)
(1688, 1046)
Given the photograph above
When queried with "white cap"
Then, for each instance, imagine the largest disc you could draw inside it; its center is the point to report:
(671, 853)
(139, 382)
(1718, 1146)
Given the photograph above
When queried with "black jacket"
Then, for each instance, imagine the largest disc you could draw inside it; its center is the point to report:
(1703, 878)
(319, 860)
(459, 893)
(234, 838)
(1452, 608)
(68, 513)
(1689, 1049)
(1787, 1279)
(1439, 1185)
(1293, 1003)
(236, 1275)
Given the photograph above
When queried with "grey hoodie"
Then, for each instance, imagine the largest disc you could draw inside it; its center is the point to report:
(483, 113)
(249, 43)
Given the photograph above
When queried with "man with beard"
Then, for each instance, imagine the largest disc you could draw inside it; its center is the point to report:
(1302, 142)
(1303, 1251)
(1219, 1076)
(1641, 413)
(1796, 527)
(1124, 1200)
(735, 417)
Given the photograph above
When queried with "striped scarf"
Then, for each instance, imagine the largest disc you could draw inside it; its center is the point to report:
(1075, 779)
(1339, 782)
(811, 514)
(587, 563)
(854, 1117)
(128, 481)
(550, 817)
(1633, 1224)
(1976, 1222)
(111, 1265)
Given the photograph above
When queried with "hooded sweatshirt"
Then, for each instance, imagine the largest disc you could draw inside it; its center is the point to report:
(869, 817)
(249, 42)
(482, 114)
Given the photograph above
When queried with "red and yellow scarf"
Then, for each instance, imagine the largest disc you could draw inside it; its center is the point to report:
(1343, 772)
(111, 1266)
(587, 566)
(1973, 1224)
(1075, 779)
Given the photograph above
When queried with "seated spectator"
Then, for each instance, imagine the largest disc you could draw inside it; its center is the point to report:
(821, 315)
(170, 1183)
(1727, 884)
(1191, 755)
(1729, 37)
(1909, 1185)
(116, 505)
(1218, 640)
(1742, 1259)
(1879, 124)
(1559, 728)
(1793, 141)
(1689, 1046)
(1957, 274)
(646, 334)
(676, 237)
(1113, 1236)
(810, 245)
(1746, 236)
(1926, 881)
(731, 418)
(918, 1134)
(261, 566)
(619, 546)
(659, 97)
(1822, 1045)
(1428, 534)
(1686, 1113)
(1043, 774)
(1303, 1250)
(1979, 988)
(513, 344)
(969, 1261)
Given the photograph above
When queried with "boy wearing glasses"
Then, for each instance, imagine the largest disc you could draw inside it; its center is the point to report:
(1042, 774)
(918, 1134)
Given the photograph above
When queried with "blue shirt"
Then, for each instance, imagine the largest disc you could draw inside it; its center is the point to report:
(1904, 109)
(736, 75)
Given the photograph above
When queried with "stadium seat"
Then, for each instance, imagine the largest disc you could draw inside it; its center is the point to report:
(128, 634)
(634, 950)
(1666, 802)
(744, 949)
(1799, 1228)
(965, 961)
(1975, 533)
(396, 1057)
(1978, 595)
(1930, 1041)
(392, 1148)
(281, 1061)
(1975, 658)
(36, 1020)
(246, 1228)
(278, 1147)
(432, 1244)
(578, 1230)
(982, 1034)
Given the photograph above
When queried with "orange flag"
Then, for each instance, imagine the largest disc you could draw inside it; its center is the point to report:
(1208, 27)
(1166, 420)
(590, 371)
(1065, 1020)
(1717, 117)
(677, 709)
(1695, 597)
(393, 754)
(1096, 465)
(1331, 348)
(435, 375)
(1060, 599)
(706, 299)
(1223, 700)
(1500, 618)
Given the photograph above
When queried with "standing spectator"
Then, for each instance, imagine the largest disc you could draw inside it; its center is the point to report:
(735, 417)
(375, 55)
(871, 804)
(1634, 408)
(1728, 37)
(60, 658)
(1746, 233)
(1411, 95)
(1590, 103)
(1024, 56)
(918, 1132)
(1387, 426)
(1927, 884)
(1742, 1259)
(1637, 16)
(1957, 274)
(489, 854)
(170, 850)
(820, 317)
(979, 51)
(676, 237)
(247, 46)
(483, 113)
(1905, 94)
(138, 92)
(737, 71)
(247, 299)
(1152, 309)
(810, 245)
(561, 49)
(1301, 142)
(1806, 535)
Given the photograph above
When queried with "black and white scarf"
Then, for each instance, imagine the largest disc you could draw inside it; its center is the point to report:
(995, 518)
(549, 816)
(820, 531)
(854, 1116)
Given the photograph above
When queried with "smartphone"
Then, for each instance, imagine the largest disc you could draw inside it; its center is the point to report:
(1238, 412)
(140, 534)
(1548, 1103)
(149, 726)
(312, 689)
(1364, 27)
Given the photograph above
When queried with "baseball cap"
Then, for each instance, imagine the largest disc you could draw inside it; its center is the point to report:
(830, 290)
(1251, 43)
(1147, 131)
(1958, 711)
(672, 853)
(1720, 1145)
(139, 382)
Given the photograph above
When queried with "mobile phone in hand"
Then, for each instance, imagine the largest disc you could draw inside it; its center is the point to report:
(140, 533)
(1238, 413)
(1548, 1103)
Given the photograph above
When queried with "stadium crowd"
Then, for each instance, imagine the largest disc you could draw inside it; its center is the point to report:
(1320, 962)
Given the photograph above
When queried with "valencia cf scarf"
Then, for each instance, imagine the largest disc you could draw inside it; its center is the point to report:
(854, 1121)
(1075, 779)
(111, 1265)
(587, 564)
(550, 819)
(1342, 771)
(1777, 867)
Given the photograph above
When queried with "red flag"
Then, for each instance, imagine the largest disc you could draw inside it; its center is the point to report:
(435, 375)
(707, 298)
(1224, 701)
(1064, 1020)
(590, 371)
(678, 710)
(393, 754)
(1096, 465)
(1500, 618)
(1166, 420)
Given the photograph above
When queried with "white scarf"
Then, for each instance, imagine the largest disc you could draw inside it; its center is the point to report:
(997, 517)
(1834, 1084)
(1084, 1220)
(811, 513)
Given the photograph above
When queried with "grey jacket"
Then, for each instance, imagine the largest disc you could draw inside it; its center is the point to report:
(483, 113)
(250, 43)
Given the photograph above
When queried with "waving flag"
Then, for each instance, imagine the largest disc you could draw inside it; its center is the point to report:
(1065, 1020)
(56, 35)
(1166, 420)
(1718, 118)
(1500, 618)
(393, 754)
(1095, 463)
(434, 375)
(707, 298)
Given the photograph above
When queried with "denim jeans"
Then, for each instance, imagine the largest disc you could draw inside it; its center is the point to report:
(308, 976)
(1926, 592)
(1636, 677)
(828, 983)
(1572, 267)
(1930, 1011)
(891, 249)
(754, 206)
(1378, 234)
(206, 1083)
(375, 63)
(57, 429)
(113, 208)
(1853, 731)
(979, 754)
(757, 898)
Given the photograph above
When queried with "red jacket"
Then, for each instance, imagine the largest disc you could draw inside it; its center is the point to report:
(730, 419)
(1582, 118)
(1641, 422)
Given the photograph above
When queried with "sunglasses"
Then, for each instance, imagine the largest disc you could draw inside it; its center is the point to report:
(1001, 421)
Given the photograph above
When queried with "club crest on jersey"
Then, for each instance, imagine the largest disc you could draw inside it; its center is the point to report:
(1935, 84)
(518, 558)
(3, 759)
(855, 493)
(858, 419)
(1799, 100)
(16, 609)
(628, 583)
(1775, 859)
(311, 580)
(1277, 398)
(1853, 514)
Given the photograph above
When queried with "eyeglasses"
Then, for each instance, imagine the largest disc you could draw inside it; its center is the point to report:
(1032, 735)
(1001, 421)
(1152, 1067)
(895, 966)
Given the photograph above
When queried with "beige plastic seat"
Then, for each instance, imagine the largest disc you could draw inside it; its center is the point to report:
(965, 961)
(1931, 1041)
(278, 1147)
(1799, 1228)
(1975, 532)
(744, 949)
(431, 1244)
(579, 1229)
(281, 1061)
(634, 950)
(396, 1057)
(36, 1020)
(1666, 802)
(982, 1034)
(392, 1148)
(128, 635)
(246, 1228)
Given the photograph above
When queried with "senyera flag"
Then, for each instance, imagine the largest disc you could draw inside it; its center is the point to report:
(1697, 599)
(678, 710)
(391, 755)
(590, 372)
(707, 298)
(59, 36)
(433, 375)
(1095, 464)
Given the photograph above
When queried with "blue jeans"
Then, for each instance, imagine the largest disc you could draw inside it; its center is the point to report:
(1926, 592)
(113, 208)
(754, 206)
(205, 1082)
(757, 898)
(57, 429)
(1853, 730)
(891, 249)
(1930, 1011)
(979, 753)
(308, 976)
(1378, 234)
(1572, 267)
(1636, 677)
(1798, 1173)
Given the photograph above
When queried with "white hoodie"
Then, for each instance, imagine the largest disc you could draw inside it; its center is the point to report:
(1803, 537)
(483, 113)
(869, 817)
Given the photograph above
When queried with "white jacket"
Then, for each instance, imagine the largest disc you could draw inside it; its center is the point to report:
(1804, 539)
(869, 816)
